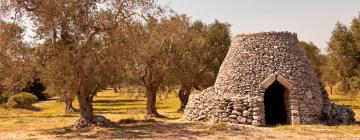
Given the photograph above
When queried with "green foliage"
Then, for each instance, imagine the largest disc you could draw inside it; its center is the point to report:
(16, 64)
(343, 61)
(200, 52)
(49, 94)
(344, 86)
(355, 85)
(329, 73)
(21, 100)
(313, 54)
(3, 100)
(218, 40)
(342, 47)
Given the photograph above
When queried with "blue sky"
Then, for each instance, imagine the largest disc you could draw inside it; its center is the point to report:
(312, 20)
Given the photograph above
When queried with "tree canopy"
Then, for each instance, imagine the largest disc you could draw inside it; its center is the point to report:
(344, 56)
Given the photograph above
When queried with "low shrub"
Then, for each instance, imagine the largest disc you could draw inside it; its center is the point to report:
(23, 99)
(36, 88)
(49, 93)
(3, 100)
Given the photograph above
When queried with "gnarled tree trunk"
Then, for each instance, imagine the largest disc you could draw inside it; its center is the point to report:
(86, 109)
(183, 95)
(151, 86)
(187, 83)
(331, 89)
(69, 106)
(151, 91)
(116, 88)
(84, 99)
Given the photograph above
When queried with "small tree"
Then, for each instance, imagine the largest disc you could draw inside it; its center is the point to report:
(200, 51)
(17, 67)
(155, 59)
(55, 73)
(329, 74)
(344, 52)
(342, 47)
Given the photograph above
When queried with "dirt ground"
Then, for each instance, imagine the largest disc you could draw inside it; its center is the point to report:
(50, 122)
(185, 130)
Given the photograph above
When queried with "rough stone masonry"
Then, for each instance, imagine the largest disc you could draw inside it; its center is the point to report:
(266, 79)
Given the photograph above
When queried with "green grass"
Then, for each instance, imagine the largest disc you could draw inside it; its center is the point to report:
(50, 120)
(114, 106)
(117, 106)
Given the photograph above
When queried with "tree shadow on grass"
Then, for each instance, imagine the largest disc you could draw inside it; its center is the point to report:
(32, 108)
(116, 101)
(115, 104)
(108, 109)
(99, 95)
(127, 108)
(138, 130)
(41, 116)
(110, 103)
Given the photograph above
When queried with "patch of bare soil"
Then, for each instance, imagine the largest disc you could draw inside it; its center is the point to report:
(179, 130)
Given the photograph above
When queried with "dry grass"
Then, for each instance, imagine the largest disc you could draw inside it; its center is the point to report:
(114, 106)
(51, 123)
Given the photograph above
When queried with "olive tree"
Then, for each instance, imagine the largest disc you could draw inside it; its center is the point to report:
(17, 67)
(201, 51)
(158, 39)
(344, 51)
(73, 30)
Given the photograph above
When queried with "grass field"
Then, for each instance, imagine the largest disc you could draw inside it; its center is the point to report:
(48, 121)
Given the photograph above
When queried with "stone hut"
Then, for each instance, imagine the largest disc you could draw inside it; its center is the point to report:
(266, 79)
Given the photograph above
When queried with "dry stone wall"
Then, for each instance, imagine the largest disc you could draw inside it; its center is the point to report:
(254, 62)
(236, 109)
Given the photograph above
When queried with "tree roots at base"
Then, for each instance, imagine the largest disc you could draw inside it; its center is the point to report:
(97, 120)
(155, 115)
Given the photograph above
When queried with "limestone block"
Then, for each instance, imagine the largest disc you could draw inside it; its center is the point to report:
(268, 81)
(236, 112)
(284, 82)
(233, 116)
(245, 113)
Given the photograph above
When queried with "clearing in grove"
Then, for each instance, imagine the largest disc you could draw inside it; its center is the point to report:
(46, 120)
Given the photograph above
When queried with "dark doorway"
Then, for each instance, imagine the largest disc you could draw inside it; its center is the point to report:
(275, 109)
